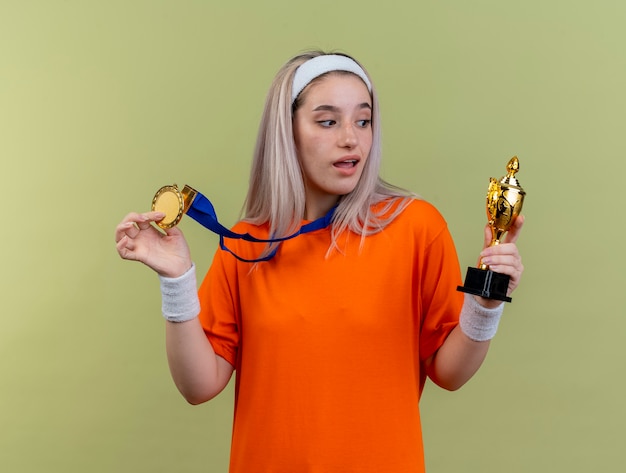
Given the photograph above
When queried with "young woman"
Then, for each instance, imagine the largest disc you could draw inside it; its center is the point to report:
(333, 336)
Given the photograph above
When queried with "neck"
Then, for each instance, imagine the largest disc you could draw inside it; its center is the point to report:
(318, 208)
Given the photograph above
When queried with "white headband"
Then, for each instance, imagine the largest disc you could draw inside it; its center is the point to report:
(319, 65)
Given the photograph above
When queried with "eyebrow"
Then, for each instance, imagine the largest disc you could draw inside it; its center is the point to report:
(332, 108)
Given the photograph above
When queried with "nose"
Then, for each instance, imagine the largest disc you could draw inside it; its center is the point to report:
(349, 138)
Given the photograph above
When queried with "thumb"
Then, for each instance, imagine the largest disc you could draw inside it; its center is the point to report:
(514, 232)
(173, 232)
(488, 236)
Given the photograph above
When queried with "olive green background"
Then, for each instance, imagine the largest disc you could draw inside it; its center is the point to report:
(101, 103)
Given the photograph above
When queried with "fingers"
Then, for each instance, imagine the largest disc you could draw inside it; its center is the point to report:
(135, 222)
(505, 259)
(125, 248)
(511, 235)
(507, 262)
(130, 229)
(125, 237)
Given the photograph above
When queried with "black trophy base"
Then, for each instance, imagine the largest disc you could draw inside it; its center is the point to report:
(486, 283)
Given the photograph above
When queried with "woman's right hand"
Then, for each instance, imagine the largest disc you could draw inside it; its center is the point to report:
(138, 240)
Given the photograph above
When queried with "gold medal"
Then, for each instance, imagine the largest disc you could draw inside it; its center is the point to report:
(173, 203)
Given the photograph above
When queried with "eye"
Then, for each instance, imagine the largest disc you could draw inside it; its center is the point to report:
(364, 123)
(327, 123)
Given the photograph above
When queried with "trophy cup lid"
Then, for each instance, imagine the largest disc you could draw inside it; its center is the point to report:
(510, 180)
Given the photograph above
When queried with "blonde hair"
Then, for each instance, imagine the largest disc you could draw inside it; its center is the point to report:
(276, 194)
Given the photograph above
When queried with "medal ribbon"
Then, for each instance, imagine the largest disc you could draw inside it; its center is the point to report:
(203, 212)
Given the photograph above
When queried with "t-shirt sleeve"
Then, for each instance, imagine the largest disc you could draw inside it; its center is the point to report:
(220, 308)
(441, 302)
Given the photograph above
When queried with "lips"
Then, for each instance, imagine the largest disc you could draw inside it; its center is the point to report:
(346, 163)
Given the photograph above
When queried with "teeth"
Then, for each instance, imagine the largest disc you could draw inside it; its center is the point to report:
(350, 162)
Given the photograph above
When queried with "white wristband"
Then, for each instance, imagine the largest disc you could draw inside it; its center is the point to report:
(179, 297)
(477, 322)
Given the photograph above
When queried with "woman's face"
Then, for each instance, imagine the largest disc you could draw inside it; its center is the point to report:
(333, 136)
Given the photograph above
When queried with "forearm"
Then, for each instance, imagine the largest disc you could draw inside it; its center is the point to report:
(464, 351)
(457, 360)
(199, 374)
(196, 370)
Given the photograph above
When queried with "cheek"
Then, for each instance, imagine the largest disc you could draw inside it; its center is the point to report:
(310, 148)
(366, 145)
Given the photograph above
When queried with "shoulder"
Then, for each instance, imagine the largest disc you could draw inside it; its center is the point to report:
(410, 211)
(246, 226)
(234, 241)
(416, 220)
(424, 210)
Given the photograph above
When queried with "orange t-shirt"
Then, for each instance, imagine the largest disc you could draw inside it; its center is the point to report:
(328, 351)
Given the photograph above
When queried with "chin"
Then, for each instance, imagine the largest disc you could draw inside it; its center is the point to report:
(344, 190)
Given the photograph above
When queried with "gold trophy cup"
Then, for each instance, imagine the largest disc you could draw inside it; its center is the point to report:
(504, 203)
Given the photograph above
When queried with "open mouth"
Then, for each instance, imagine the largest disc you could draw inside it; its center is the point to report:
(348, 163)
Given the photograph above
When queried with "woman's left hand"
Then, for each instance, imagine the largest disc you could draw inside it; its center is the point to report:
(504, 258)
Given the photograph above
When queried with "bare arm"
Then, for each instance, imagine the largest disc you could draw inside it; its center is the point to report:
(198, 372)
(458, 359)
